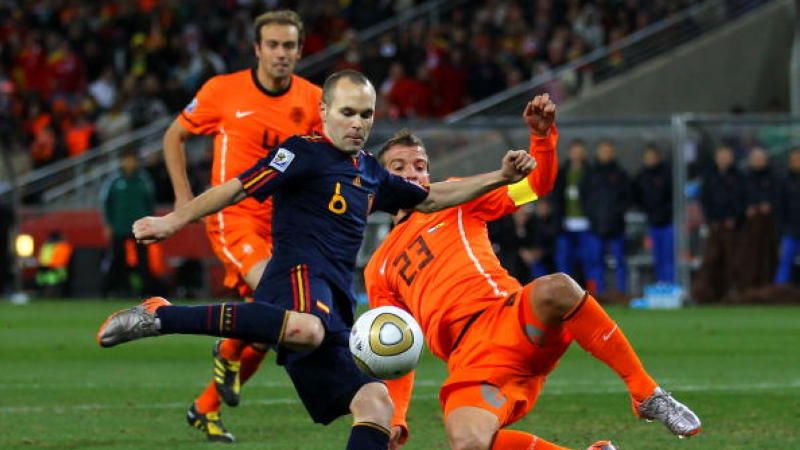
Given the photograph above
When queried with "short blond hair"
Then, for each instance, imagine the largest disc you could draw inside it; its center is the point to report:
(282, 17)
(403, 137)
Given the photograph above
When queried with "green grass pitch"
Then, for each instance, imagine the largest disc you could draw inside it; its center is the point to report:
(739, 368)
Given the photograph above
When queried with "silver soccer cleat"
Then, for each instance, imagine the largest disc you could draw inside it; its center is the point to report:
(676, 416)
(131, 324)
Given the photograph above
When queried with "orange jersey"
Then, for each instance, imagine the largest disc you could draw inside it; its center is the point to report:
(247, 122)
(441, 266)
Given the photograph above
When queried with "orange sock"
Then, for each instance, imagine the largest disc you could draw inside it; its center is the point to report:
(517, 440)
(209, 400)
(599, 335)
(231, 349)
(251, 360)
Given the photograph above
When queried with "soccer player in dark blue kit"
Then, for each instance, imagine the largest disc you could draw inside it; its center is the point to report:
(323, 187)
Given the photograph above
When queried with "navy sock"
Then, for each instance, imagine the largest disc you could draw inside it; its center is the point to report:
(254, 321)
(368, 436)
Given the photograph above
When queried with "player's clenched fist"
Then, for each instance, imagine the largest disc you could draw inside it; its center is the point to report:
(517, 164)
(539, 114)
(148, 230)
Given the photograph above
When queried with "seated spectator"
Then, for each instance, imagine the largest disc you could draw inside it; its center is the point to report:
(79, 134)
(114, 122)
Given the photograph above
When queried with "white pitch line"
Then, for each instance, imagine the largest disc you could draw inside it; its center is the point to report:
(548, 391)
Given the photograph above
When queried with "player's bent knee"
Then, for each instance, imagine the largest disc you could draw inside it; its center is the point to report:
(471, 429)
(554, 295)
(372, 403)
(303, 332)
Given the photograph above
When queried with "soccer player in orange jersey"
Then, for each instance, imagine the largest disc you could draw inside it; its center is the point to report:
(247, 112)
(500, 340)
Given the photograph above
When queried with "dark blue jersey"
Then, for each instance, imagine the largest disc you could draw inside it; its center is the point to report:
(321, 199)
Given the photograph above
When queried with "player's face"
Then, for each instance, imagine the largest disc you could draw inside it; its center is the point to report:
(605, 153)
(278, 51)
(409, 162)
(724, 158)
(651, 158)
(347, 121)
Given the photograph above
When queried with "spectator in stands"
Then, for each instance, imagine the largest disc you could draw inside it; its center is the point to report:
(144, 104)
(126, 196)
(605, 196)
(104, 88)
(652, 193)
(52, 273)
(114, 122)
(788, 211)
(79, 134)
(723, 206)
(573, 243)
(758, 247)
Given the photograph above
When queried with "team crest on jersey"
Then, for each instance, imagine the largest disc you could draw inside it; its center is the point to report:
(357, 181)
(191, 106)
(297, 115)
(281, 160)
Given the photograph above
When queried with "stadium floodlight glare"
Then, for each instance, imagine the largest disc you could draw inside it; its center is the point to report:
(24, 245)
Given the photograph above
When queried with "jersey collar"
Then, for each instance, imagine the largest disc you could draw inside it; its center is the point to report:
(264, 90)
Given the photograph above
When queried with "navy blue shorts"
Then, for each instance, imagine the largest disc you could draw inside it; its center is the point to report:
(327, 378)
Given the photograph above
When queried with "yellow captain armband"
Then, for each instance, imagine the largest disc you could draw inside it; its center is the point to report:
(521, 192)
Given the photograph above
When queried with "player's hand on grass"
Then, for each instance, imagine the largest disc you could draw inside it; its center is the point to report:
(148, 230)
(539, 114)
(517, 164)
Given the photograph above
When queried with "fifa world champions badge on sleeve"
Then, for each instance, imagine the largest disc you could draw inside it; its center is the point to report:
(191, 106)
(281, 160)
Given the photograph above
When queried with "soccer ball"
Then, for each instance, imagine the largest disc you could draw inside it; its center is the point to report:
(386, 342)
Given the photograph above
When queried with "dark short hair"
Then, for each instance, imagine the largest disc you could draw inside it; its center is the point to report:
(129, 153)
(653, 147)
(282, 17)
(353, 76)
(578, 141)
(403, 137)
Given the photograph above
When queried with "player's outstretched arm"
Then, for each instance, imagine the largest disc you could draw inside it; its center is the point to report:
(153, 229)
(175, 159)
(515, 166)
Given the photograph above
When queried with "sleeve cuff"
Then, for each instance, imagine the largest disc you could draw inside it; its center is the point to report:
(403, 432)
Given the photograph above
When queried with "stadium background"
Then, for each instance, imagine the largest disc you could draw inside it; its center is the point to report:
(81, 82)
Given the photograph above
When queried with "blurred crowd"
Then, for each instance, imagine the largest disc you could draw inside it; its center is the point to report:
(74, 74)
(430, 69)
(751, 219)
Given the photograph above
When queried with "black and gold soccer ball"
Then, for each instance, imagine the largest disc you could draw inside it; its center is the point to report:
(386, 342)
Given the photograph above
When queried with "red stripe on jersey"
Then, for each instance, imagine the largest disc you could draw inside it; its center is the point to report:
(262, 183)
(295, 293)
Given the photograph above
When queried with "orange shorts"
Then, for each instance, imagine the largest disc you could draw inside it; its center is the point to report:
(240, 243)
(502, 361)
